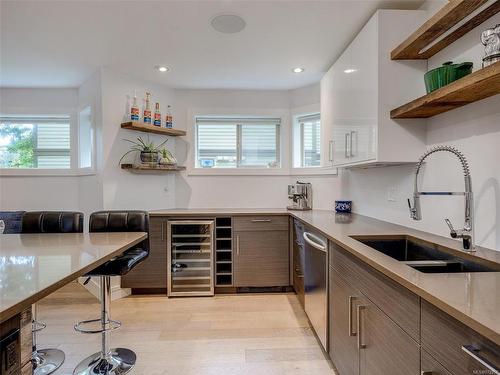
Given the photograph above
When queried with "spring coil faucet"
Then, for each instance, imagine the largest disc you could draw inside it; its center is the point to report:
(467, 232)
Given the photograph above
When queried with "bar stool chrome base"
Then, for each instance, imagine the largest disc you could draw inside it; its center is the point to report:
(119, 361)
(46, 361)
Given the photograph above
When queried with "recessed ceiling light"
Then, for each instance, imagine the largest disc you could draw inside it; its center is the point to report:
(228, 23)
(298, 70)
(162, 69)
(350, 71)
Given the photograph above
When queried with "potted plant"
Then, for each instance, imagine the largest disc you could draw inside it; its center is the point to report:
(147, 149)
(167, 158)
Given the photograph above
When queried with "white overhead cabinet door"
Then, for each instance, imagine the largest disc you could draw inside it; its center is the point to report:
(359, 90)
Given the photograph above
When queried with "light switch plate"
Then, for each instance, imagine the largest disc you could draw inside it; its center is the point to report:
(392, 193)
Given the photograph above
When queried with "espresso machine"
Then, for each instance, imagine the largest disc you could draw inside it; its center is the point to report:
(300, 195)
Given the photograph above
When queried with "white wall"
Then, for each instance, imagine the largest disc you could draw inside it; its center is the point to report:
(35, 193)
(122, 189)
(474, 130)
(242, 191)
(90, 187)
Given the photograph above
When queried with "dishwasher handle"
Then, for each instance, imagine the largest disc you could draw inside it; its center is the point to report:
(314, 241)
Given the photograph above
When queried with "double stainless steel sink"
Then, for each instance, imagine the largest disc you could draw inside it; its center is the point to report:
(425, 256)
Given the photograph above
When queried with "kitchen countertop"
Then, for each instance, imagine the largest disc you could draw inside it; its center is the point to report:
(472, 298)
(219, 211)
(34, 265)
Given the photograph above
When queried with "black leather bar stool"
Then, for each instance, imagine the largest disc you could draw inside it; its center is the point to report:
(46, 361)
(115, 361)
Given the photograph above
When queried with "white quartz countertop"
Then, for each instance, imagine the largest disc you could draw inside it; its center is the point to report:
(35, 265)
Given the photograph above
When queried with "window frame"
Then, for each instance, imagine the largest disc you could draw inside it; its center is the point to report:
(301, 140)
(239, 142)
(74, 151)
(295, 144)
(194, 113)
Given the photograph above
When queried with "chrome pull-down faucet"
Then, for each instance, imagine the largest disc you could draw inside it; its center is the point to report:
(467, 232)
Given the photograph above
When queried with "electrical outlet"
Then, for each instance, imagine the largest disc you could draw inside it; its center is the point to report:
(392, 193)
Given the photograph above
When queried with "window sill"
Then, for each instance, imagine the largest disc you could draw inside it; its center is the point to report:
(314, 171)
(237, 172)
(34, 172)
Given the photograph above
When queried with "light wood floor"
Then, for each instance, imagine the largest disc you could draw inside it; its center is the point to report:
(252, 334)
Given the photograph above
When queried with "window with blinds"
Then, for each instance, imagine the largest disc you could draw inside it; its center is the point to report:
(310, 140)
(35, 142)
(237, 142)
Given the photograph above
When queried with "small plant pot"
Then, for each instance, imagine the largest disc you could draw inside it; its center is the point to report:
(149, 157)
(446, 74)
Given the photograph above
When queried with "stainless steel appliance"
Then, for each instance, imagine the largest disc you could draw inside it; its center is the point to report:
(316, 283)
(300, 195)
(190, 256)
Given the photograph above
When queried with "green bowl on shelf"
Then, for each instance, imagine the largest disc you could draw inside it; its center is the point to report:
(446, 74)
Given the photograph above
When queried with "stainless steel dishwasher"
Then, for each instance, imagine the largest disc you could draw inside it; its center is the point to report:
(316, 283)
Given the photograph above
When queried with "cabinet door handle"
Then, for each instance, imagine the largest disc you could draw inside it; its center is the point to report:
(474, 353)
(261, 220)
(346, 154)
(350, 143)
(330, 151)
(237, 245)
(162, 231)
(359, 309)
(351, 333)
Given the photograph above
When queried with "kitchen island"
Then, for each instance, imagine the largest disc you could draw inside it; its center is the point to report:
(34, 265)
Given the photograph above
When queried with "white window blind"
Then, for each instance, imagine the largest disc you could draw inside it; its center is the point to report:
(35, 142)
(237, 142)
(310, 140)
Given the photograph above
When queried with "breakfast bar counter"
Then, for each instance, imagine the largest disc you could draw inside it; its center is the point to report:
(34, 265)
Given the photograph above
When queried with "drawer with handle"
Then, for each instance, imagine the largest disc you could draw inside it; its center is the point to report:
(261, 222)
(458, 348)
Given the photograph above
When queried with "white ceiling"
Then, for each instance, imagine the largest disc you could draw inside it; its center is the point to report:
(60, 44)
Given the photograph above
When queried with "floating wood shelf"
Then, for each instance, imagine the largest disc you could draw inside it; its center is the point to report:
(140, 168)
(453, 21)
(476, 86)
(139, 126)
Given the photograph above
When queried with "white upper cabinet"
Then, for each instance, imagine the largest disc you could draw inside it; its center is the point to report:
(360, 89)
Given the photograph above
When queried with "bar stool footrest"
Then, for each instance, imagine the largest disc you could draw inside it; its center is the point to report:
(110, 325)
(37, 326)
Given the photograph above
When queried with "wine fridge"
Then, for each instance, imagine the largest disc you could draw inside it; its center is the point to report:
(190, 254)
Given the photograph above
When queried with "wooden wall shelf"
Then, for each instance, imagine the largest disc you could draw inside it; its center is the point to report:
(151, 169)
(139, 126)
(443, 22)
(476, 86)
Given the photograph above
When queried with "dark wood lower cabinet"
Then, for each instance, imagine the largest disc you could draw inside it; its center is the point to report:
(429, 366)
(298, 270)
(443, 337)
(363, 339)
(343, 348)
(261, 258)
(152, 273)
(370, 335)
(385, 349)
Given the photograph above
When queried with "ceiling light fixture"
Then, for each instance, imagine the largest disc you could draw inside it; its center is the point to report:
(348, 71)
(298, 70)
(162, 69)
(228, 23)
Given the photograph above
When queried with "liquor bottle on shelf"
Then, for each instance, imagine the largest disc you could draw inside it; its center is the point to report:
(157, 115)
(147, 110)
(134, 110)
(168, 118)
